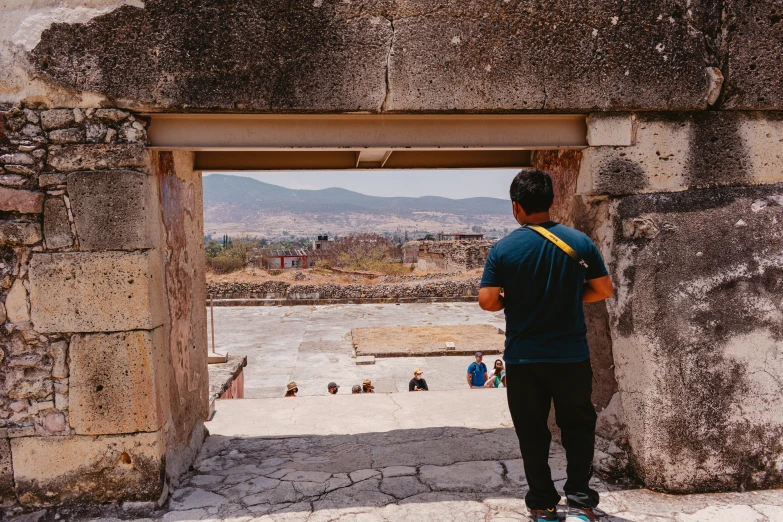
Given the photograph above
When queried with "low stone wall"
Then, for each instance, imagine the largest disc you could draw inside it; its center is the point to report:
(279, 292)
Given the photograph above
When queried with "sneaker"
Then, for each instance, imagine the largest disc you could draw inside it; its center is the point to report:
(543, 515)
(581, 514)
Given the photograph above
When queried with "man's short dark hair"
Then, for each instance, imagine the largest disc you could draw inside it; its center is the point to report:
(532, 189)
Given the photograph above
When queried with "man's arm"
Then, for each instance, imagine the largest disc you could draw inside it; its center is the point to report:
(596, 289)
(470, 380)
(490, 298)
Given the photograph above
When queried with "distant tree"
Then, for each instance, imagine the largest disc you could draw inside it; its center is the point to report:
(212, 249)
(476, 229)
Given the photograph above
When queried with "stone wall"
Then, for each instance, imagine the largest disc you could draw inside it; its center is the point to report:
(283, 290)
(452, 255)
(687, 215)
(683, 201)
(85, 307)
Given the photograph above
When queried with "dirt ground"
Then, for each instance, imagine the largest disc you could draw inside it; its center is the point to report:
(320, 276)
(407, 341)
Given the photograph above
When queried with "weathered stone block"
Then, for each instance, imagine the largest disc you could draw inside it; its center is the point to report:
(74, 135)
(118, 382)
(697, 328)
(96, 292)
(112, 209)
(20, 233)
(678, 152)
(753, 40)
(7, 494)
(51, 179)
(18, 158)
(17, 309)
(59, 353)
(57, 226)
(611, 129)
(22, 201)
(403, 56)
(52, 471)
(70, 158)
(113, 115)
(57, 119)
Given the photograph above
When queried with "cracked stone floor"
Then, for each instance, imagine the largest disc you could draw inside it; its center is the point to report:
(437, 456)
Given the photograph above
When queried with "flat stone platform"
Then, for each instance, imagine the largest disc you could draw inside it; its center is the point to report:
(398, 457)
(435, 456)
(423, 341)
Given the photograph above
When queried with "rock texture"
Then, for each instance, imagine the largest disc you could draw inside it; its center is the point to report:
(697, 321)
(83, 351)
(283, 290)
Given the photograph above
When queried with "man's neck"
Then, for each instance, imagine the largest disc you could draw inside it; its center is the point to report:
(535, 219)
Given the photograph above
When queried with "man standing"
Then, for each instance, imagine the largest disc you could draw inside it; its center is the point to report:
(540, 274)
(417, 383)
(477, 372)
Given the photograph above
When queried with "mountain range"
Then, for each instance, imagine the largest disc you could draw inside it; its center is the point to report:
(238, 204)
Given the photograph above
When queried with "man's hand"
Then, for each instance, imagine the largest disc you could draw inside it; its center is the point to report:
(491, 298)
(596, 289)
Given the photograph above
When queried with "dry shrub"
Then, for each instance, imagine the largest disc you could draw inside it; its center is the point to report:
(361, 251)
(230, 259)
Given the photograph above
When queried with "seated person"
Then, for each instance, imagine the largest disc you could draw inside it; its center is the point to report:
(497, 377)
(291, 389)
(417, 383)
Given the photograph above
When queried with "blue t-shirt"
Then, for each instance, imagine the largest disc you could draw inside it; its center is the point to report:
(543, 289)
(477, 370)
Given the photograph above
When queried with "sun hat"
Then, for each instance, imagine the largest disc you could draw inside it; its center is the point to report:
(417, 371)
(479, 354)
(368, 384)
(291, 386)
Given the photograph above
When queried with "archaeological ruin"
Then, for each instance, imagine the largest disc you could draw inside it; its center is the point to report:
(660, 122)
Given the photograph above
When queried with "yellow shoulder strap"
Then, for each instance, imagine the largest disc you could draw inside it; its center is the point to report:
(562, 245)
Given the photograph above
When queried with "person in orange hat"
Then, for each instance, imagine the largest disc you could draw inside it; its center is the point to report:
(417, 383)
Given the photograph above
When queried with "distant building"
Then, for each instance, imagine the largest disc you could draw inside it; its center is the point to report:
(410, 253)
(459, 236)
(322, 243)
(284, 259)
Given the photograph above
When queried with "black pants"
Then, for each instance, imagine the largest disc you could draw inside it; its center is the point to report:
(531, 388)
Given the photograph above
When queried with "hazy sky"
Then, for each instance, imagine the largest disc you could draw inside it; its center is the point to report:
(447, 183)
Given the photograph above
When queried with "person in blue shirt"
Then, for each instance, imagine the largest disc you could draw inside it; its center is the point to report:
(477, 372)
(540, 274)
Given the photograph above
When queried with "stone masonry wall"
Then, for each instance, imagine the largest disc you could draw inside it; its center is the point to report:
(453, 255)
(84, 409)
(283, 290)
(687, 210)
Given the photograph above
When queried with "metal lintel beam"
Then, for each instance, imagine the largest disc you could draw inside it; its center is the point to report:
(211, 132)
